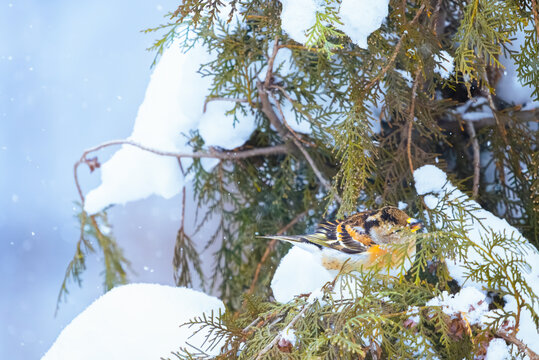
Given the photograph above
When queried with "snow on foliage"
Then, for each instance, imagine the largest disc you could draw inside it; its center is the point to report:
(137, 321)
(444, 66)
(481, 229)
(359, 18)
(497, 350)
(173, 105)
(468, 301)
(510, 87)
(300, 272)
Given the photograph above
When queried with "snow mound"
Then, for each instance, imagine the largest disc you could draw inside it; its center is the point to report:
(481, 226)
(170, 110)
(300, 272)
(136, 321)
(359, 18)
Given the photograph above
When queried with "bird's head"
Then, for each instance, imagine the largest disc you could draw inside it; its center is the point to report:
(387, 224)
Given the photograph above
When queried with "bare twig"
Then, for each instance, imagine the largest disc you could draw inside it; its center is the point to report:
(278, 337)
(270, 247)
(210, 99)
(268, 111)
(451, 123)
(519, 344)
(476, 163)
(535, 17)
(223, 155)
(308, 157)
(285, 123)
(411, 121)
(289, 98)
(271, 60)
(395, 53)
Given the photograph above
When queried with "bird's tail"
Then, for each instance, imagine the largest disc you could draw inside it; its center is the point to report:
(296, 239)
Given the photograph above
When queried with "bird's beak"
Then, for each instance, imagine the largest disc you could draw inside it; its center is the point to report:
(414, 224)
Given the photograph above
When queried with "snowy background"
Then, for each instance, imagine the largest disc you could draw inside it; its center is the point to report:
(72, 74)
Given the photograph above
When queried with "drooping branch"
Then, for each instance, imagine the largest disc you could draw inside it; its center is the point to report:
(411, 118)
(213, 154)
(476, 163)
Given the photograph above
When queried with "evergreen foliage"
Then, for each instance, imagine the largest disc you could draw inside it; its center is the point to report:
(344, 165)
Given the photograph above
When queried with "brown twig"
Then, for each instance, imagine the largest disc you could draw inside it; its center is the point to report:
(222, 155)
(535, 17)
(395, 53)
(210, 99)
(270, 247)
(476, 159)
(271, 60)
(519, 344)
(411, 121)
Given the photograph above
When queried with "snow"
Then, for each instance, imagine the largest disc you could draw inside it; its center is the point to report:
(444, 198)
(218, 130)
(469, 301)
(444, 64)
(289, 335)
(509, 87)
(474, 109)
(300, 272)
(497, 350)
(359, 18)
(428, 179)
(402, 205)
(137, 321)
(170, 110)
(297, 17)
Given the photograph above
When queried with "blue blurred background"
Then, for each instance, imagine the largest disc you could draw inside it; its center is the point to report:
(72, 75)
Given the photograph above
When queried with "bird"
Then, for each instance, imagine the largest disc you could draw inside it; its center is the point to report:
(362, 240)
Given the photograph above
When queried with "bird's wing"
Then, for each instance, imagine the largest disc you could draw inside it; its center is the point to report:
(345, 235)
(340, 235)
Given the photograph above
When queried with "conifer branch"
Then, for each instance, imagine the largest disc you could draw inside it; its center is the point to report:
(278, 337)
(476, 158)
(519, 344)
(394, 54)
(411, 118)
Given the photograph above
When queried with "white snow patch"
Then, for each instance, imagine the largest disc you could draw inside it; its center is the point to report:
(300, 272)
(218, 130)
(468, 301)
(444, 64)
(137, 321)
(362, 17)
(497, 350)
(171, 108)
(402, 205)
(430, 179)
(359, 18)
(289, 335)
(510, 88)
(297, 17)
